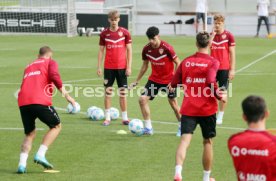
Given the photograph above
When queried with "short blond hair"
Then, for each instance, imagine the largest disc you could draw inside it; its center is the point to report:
(113, 14)
(219, 17)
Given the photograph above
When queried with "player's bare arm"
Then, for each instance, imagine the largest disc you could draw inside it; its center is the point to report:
(176, 61)
(67, 96)
(143, 70)
(213, 34)
(232, 62)
(100, 58)
(129, 59)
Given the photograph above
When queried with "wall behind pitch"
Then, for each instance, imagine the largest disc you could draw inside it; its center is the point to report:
(99, 20)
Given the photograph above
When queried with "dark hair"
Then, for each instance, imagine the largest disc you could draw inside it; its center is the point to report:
(202, 39)
(254, 108)
(152, 32)
(43, 50)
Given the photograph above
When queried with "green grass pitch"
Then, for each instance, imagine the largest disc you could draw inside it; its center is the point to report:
(85, 150)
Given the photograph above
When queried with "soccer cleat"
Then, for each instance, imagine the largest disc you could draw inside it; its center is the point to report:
(177, 178)
(106, 123)
(21, 169)
(148, 131)
(125, 122)
(42, 161)
(219, 121)
(178, 134)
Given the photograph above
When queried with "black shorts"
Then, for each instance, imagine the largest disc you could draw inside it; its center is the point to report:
(207, 124)
(46, 114)
(223, 79)
(111, 74)
(152, 89)
(200, 16)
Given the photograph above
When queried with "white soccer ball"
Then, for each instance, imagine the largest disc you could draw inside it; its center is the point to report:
(136, 126)
(97, 114)
(114, 113)
(90, 110)
(70, 109)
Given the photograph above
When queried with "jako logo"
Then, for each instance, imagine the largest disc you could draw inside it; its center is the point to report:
(251, 177)
(27, 23)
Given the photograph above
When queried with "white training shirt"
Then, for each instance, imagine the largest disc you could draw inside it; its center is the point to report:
(201, 6)
(263, 7)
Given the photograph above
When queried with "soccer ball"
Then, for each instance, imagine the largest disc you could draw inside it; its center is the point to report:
(97, 114)
(136, 126)
(114, 113)
(70, 109)
(90, 110)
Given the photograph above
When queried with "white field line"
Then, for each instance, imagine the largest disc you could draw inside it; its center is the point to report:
(100, 85)
(159, 122)
(256, 74)
(163, 122)
(85, 80)
(10, 83)
(72, 67)
(255, 61)
(7, 49)
(17, 129)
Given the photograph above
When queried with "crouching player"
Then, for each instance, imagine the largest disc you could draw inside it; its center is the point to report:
(35, 101)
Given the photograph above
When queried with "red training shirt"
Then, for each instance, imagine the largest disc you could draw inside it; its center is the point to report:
(197, 74)
(220, 48)
(254, 155)
(115, 43)
(37, 84)
(161, 60)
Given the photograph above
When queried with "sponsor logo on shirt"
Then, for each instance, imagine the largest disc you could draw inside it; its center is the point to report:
(251, 177)
(218, 48)
(189, 64)
(32, 74)
(107, 34)
(114, 46)
(156, 63)
(236, 152)
(190, 80)
(199, 65)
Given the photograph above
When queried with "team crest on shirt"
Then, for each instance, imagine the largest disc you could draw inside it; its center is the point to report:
(223, 36)
(120, 33)
(161, 51)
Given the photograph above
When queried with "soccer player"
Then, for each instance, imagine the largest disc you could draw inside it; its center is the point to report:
(223, 49)
(201, 8)
(197, 74)
(262, 8)
(35, 101)
(116, 41)
(254, 150)
(162, 58)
